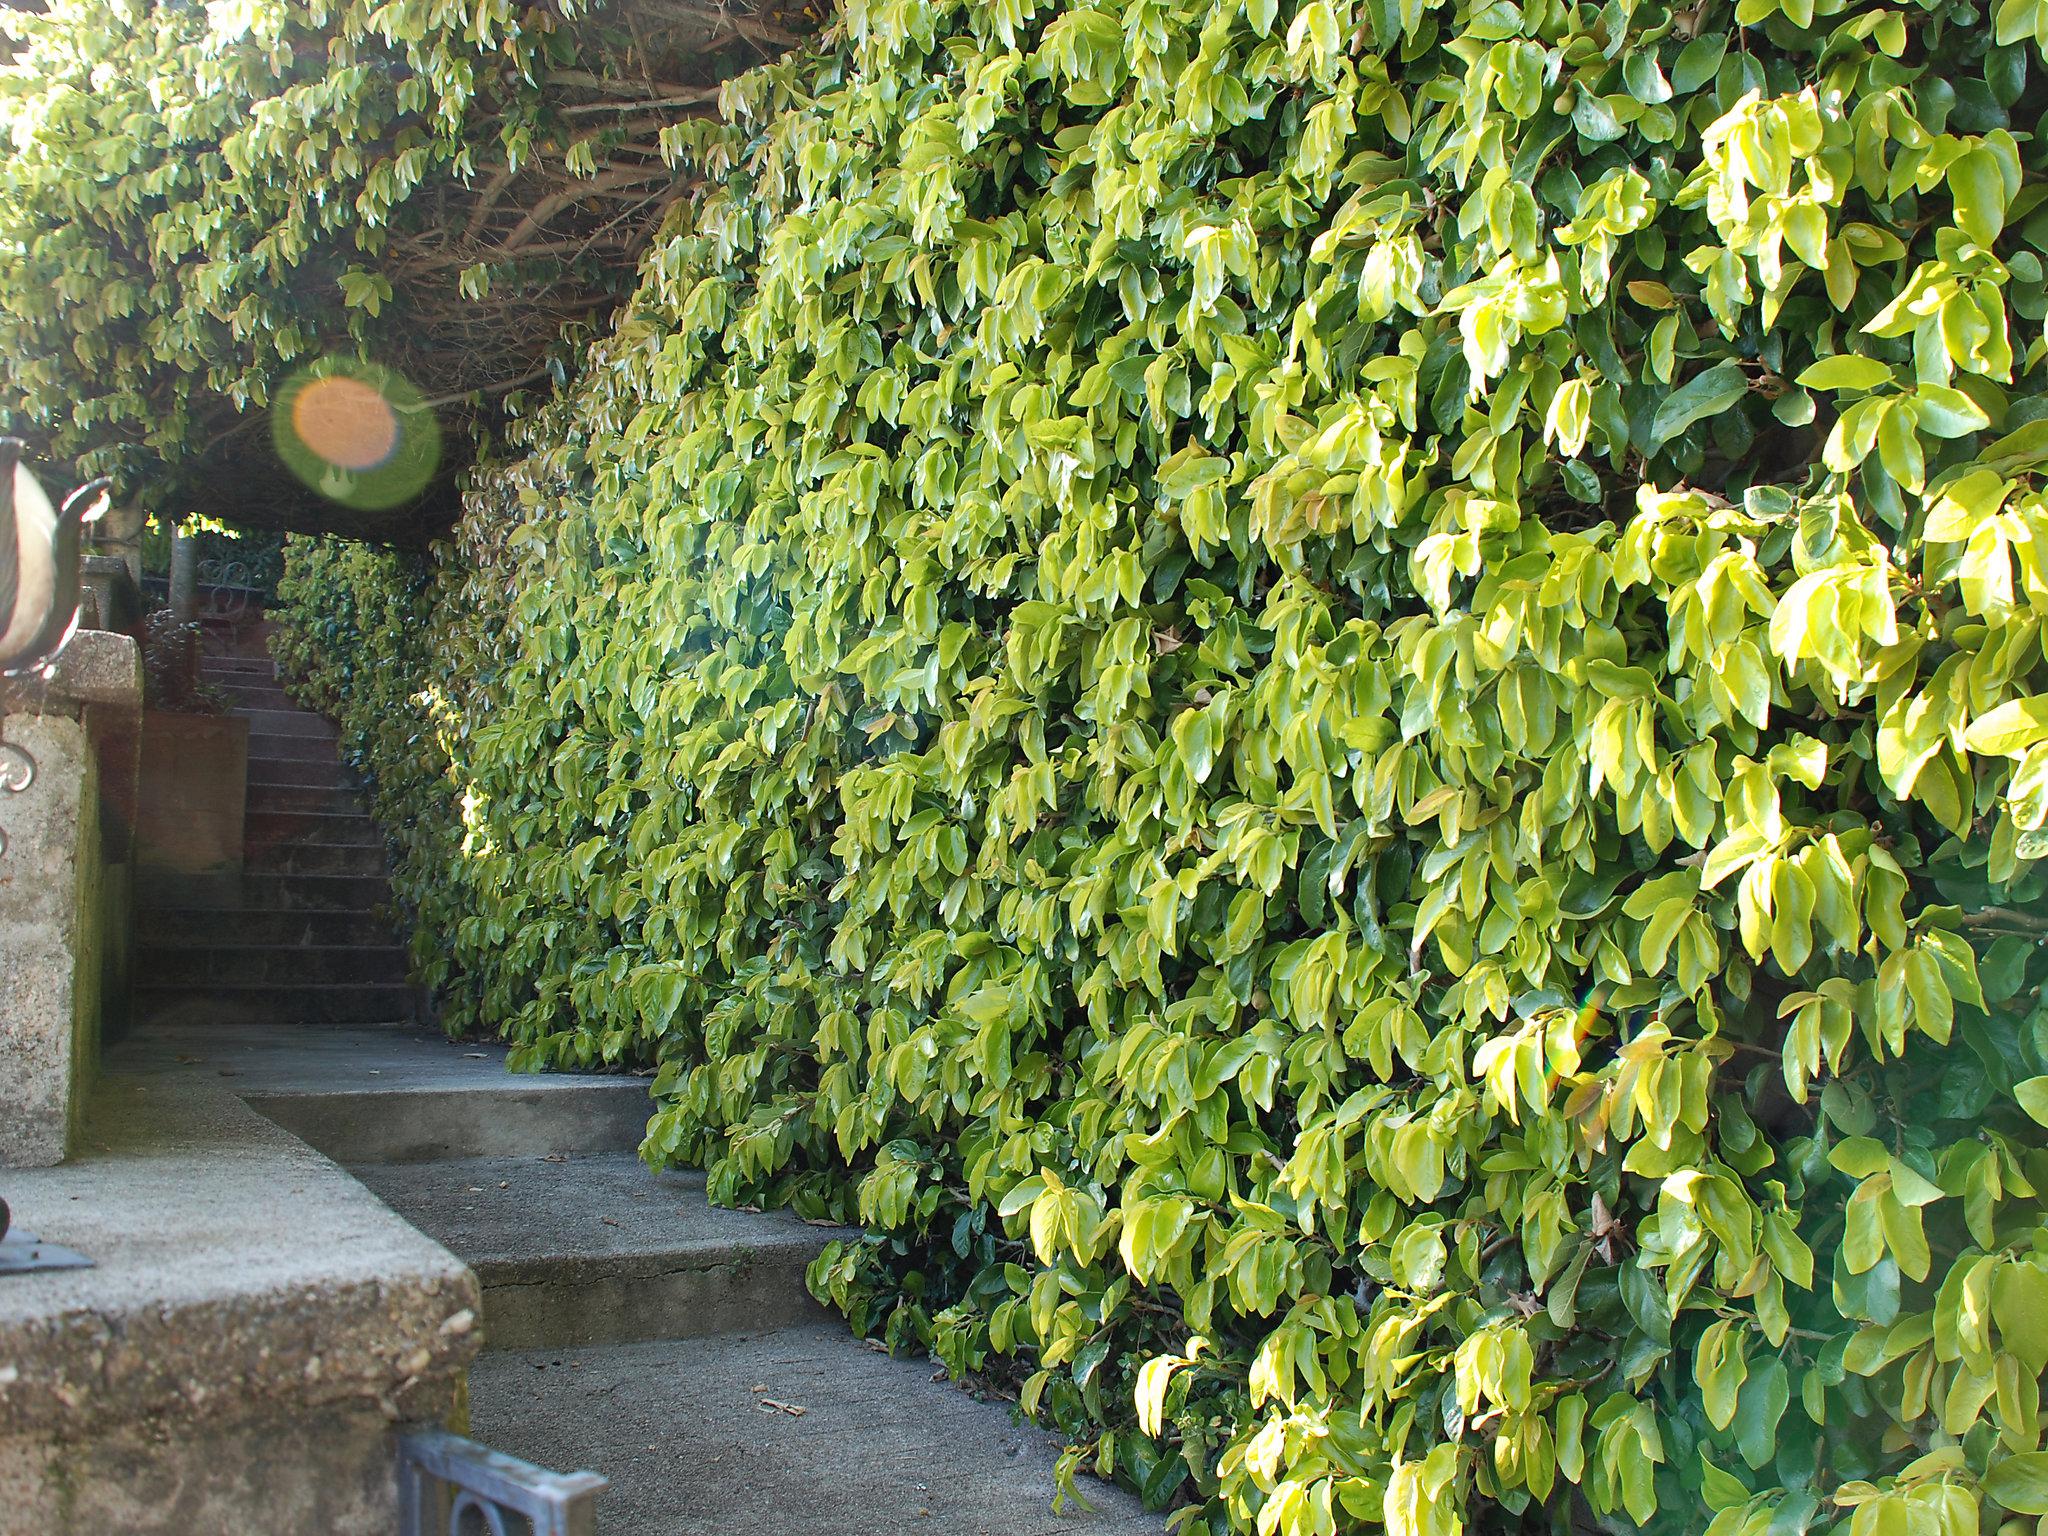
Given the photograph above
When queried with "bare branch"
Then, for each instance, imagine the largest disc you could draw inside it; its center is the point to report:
(568, 197)
(487, 200)
(503, 387)
(584, 77)
(699, 96)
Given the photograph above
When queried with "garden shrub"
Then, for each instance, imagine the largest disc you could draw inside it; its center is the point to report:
(1339, 707)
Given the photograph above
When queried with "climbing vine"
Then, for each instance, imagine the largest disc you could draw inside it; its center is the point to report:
(1337, 705)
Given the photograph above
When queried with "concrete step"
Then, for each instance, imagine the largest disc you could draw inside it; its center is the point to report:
(398, 1096)
(279, 1003)
(599, 1250)
(164, 927)
(267, 828)
(257, 693)
(323, 892)
(302, 799)
(806, 1431)
(254, 1323)
(237, 667)
(323, 773)
(258, 697)
(315, 859)
(203, 965)
(287, 722)
(268, 747)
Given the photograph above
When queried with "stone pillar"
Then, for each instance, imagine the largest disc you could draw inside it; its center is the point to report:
(184, 576)
(62, 744)
(111, 596)
(118, 535)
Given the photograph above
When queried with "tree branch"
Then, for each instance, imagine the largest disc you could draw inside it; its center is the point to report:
(487, 200)
(568, 197)
(697, 97)
(502, 387)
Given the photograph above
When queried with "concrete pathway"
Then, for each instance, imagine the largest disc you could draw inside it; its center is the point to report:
(804, 1430)
(628, 1326)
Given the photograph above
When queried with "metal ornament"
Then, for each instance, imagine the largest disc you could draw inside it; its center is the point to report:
(39, 563)
(21, 1253)
(17, 772)
(39, 567)
(447, 1484)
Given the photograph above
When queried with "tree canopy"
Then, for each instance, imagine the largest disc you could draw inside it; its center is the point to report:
(198, 203)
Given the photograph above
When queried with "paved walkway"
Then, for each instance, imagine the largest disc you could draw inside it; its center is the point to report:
(628, 1326)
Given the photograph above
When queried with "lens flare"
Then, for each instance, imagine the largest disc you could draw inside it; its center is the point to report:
(357, 433)
(346, 422)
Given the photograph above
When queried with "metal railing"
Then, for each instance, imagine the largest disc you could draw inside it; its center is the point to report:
(449, 1486)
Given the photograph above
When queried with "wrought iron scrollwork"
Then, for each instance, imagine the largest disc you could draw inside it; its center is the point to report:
(17, 772)
(449, 1486)
(227, 584)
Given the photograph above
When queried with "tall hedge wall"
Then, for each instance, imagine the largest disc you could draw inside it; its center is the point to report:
(1340, 707)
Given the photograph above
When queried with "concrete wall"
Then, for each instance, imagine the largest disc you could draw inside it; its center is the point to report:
(49, 977)
(63, 888)
(324, 1472)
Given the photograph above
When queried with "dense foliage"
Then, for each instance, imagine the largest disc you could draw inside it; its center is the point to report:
(197, 199)
(1340, 707)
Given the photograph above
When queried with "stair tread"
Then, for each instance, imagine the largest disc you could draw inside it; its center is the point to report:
(264, 750)
(288, 718)
(322, 874)
(195, 927)
(264, 858)
(589, 1209)
(311, 774)
(260, 837)
(334, 987)
(150, 946)
(318, 819)
(228, 914)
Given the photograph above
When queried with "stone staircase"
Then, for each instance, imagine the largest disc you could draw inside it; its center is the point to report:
(632, 1328)
(628, 1326)
(307, 941)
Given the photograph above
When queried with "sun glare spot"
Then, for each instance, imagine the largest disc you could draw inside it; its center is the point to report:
(357, 433)
(346, 422)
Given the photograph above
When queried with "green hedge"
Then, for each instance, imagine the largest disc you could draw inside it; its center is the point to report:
(1341, 708)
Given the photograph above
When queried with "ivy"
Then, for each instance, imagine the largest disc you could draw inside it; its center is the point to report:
(1339, 706)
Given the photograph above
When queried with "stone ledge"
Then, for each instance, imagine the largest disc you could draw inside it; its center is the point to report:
(97, 666)
(240, 1274)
